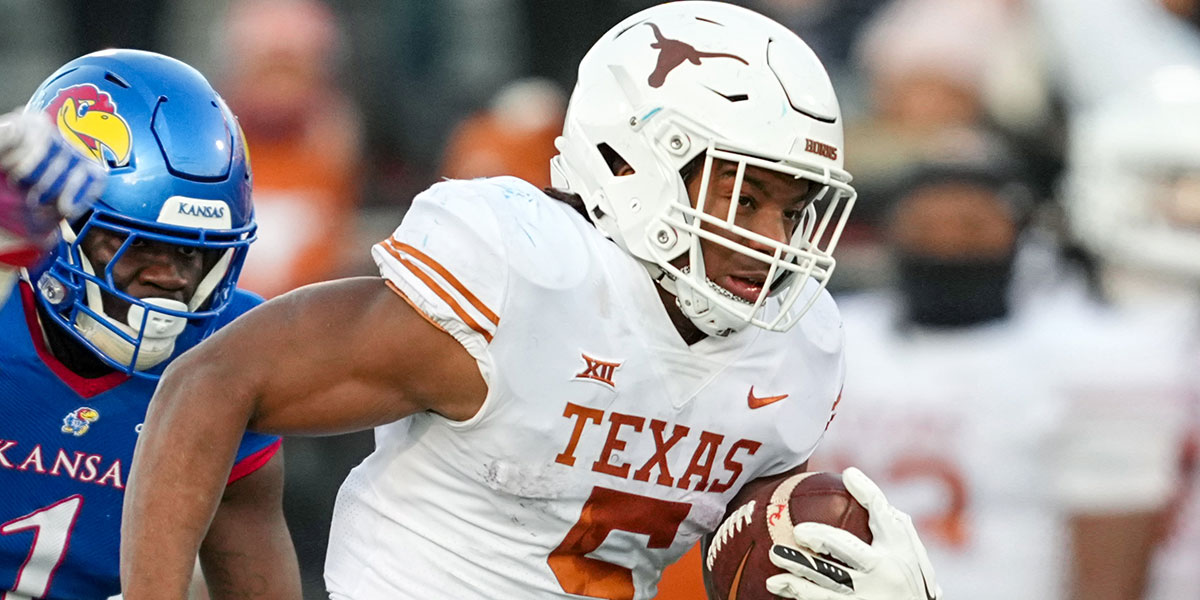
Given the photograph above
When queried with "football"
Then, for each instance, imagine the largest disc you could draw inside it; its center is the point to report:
(738, 561)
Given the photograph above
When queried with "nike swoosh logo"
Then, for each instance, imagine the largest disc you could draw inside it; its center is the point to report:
(737, 576)
(756, 402)
(925, 582)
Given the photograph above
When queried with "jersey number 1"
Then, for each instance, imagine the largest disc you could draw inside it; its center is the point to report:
(51, 527)
(605, 511)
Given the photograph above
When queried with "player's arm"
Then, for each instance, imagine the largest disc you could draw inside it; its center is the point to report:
(248, 551)
(328, 358)
(1111, 554)
(1118, 492)
(1111, 549)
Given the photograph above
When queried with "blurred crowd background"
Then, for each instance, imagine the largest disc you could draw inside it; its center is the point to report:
(1031, 149)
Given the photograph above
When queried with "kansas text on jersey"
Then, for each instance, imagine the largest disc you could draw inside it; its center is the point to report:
(65, 447)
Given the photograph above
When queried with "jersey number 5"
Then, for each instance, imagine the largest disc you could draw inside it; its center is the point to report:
(51, 527)
(608, 510)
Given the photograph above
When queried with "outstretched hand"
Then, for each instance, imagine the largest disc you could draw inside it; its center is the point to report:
(894, 566)
(43, 181)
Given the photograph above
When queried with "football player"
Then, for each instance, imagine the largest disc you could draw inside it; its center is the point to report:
(1131, 194)
(1132, 197)
(568, 386)
(1017, 420)
(114, 285)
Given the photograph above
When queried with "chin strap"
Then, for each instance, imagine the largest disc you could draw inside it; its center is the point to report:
(708, 317)
(210, 281)
(156, 331)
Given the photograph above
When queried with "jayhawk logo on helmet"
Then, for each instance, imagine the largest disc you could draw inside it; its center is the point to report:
(79, 420)
(88, 119)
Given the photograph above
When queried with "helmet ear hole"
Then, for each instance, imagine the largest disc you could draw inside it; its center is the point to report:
(616, 163)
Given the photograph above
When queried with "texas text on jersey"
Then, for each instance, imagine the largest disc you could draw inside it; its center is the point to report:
(601, 427)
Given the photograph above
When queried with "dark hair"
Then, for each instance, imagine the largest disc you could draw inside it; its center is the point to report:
(570, 199)
(692, 168)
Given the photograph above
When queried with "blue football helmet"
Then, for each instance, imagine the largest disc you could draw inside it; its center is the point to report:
(178, 173)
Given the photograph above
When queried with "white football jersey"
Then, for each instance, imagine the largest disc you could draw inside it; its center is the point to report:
(990, 436)
(606, 446)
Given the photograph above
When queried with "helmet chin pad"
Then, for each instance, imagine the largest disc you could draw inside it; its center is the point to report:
(708, 316)
(149, 335)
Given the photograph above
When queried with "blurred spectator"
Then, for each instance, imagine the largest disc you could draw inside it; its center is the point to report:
(1132, 194)
(924, 75)
(514, 136)
(1030, 432)
(304, 135)
(927, 68)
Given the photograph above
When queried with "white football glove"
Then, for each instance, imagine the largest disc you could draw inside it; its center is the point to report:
(42, 181)
(893, 567)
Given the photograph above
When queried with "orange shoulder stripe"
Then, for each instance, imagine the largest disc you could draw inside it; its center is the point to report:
(437, 289)
(440, 270)
(403, 296)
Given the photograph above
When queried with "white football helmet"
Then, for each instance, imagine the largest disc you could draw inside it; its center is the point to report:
(1132, 186)
(685, 78)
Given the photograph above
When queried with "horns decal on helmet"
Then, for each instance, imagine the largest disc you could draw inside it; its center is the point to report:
(672, 53)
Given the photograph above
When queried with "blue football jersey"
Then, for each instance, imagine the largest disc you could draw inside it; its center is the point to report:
(66, 443)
